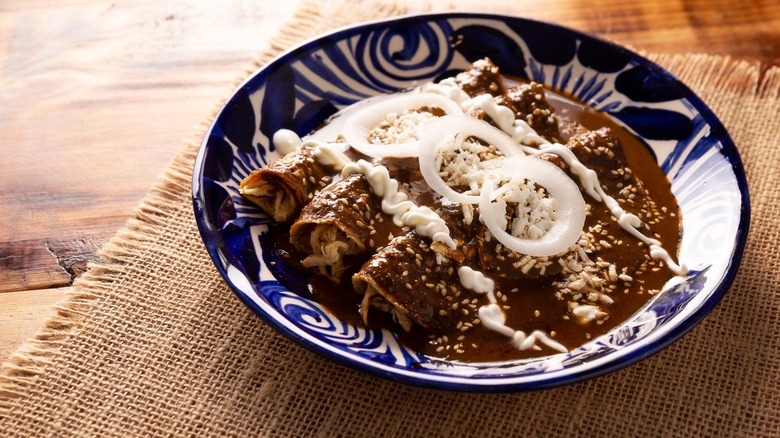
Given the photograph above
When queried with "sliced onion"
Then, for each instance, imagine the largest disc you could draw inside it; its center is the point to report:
(569, 215)
(359, 125)
(444, 129)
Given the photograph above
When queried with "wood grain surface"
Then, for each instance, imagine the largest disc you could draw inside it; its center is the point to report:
(97, 96)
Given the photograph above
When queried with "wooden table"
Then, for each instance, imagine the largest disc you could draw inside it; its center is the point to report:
(96, 97)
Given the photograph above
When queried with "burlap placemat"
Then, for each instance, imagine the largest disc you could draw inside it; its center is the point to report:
(153, 343)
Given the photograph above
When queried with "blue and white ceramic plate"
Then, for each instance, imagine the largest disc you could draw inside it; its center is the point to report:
(304, 86)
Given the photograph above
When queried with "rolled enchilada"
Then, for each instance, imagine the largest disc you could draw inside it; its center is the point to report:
(404, 279)
(416, 280)
(283, 187)
(341, 226)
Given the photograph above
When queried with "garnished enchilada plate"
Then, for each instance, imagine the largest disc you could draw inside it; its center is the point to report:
(300, 90)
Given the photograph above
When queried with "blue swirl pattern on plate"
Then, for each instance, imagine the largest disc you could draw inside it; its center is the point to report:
(304, 86)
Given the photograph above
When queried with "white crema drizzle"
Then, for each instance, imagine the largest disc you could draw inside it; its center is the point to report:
(425, 221)
(493, 318)
(524, 134)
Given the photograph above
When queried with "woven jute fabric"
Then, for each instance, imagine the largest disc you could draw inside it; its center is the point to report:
(152, 342)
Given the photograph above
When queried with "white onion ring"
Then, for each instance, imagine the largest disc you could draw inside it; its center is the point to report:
(569, 215)
(360, 124)
(445, 128)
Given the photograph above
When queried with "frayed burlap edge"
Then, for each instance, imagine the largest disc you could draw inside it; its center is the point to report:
(33, 357)
(724, 73)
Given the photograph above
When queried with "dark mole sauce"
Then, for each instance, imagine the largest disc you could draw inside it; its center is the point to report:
(534, 305)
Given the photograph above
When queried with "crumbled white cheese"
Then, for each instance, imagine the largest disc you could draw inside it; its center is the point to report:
(585, 313)
(465, 162)
(400, 128)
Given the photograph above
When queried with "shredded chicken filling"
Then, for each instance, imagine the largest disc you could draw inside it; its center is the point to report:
(267, 195)
(372, 298)
(329, 246)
